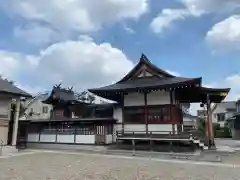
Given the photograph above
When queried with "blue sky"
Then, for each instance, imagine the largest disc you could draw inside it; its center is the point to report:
(89, 44)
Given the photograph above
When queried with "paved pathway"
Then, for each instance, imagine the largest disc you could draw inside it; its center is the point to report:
(80, 166)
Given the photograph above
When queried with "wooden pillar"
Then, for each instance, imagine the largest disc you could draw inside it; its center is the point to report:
(146, 111)
(171, 111)
(75, 132)
(39, 134)
(15, 125)
(122, 104)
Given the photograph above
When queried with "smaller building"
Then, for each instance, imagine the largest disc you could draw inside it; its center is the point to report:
(234, 122)
(35, 109)
(10, 97)
(223, 111)
(71, 122)
(190, 122)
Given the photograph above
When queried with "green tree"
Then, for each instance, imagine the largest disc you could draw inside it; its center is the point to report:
(201, 125)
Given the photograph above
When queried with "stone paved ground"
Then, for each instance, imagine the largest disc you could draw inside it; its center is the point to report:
(62, 166)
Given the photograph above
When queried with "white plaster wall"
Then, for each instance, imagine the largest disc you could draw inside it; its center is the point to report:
(135, 127)
(134, 99)
(109, 139)
(37, 106)
(65, 138)
(33, 137)
(163, 128)
(117, 114)
(153, 98)
(47, 137)
(158, 98)
(85, 139)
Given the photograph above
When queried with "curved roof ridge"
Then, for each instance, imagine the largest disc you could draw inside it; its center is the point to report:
(145, 61)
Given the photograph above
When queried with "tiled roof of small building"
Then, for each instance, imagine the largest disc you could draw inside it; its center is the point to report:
(10, 88)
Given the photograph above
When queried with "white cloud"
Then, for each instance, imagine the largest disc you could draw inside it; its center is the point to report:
(82, 63)
(233, 82)
(78, 15)
(36, 34)
(13, 63)
(200, 7)
(166, 19)
(173, 73)
(192, 8)
(225, 35)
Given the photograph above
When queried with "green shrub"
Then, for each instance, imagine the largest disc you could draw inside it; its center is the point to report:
(223, 133)
(216, 126)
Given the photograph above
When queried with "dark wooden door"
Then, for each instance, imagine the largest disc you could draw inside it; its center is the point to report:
(22, 135)
(100, 134)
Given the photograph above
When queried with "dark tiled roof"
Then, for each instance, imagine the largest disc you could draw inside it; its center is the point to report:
(7, 87)
(64, 94)
(61, 94)
(229, 105)
(147, 82)
(199, 94)
(144, 61)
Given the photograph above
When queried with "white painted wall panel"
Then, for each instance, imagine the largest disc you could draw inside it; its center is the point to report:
(158, 97)
(65, 138)
(117, 114)
(109, 139)
(135, 127)
(48, 138)
(153, 98)
(134, 99)
(163, 128)
(33, 137)
(85, 139)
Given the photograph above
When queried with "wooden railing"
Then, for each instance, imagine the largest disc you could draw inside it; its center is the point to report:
(150, 134)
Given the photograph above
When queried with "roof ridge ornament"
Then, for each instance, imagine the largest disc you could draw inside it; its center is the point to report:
(144, 58)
